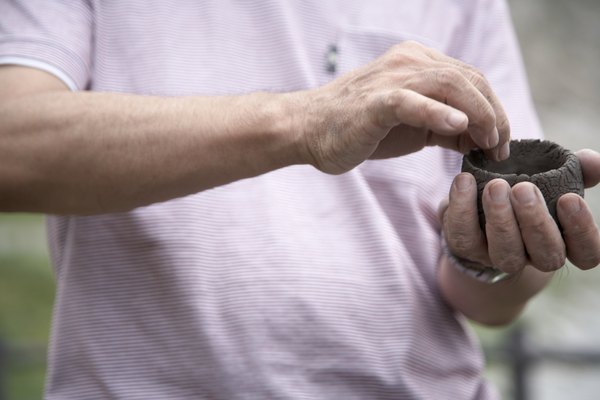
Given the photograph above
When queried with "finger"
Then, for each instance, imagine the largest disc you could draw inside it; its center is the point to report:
(461, 221)
(502, 150)
(405, 139)
(543, 241)
(580, 232)
(414, 109)
(590, 166)
(505, 244)
(462, 143)
(449, 86)
(473, 75)
(401, 140)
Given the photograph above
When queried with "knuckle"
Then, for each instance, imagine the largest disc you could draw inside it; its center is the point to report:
(485, 111)
(448, 77)
(461, 244)
(501, 225)
(388, 101)
(503, 126)
(447, 81)
(500, 218)
(402, 48)
(410, 44)
(406, 53)
(384, 108)
(537, 226)
(426, 110)
(398, 48)
(477, 78)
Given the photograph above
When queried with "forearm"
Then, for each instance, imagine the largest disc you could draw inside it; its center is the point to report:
(489, 304)
(88, 152)
(63, 152)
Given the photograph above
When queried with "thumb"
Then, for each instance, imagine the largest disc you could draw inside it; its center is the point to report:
(590, 165)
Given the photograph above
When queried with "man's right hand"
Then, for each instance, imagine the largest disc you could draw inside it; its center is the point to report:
(88, 152)
(409, 98)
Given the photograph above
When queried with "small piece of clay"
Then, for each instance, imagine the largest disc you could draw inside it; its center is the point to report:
(553, 169)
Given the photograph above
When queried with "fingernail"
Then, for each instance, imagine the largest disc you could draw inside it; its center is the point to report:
(498, 193)
(494, 138)
(504, 152)
(463, 182)
(526, 196)
(456, 119)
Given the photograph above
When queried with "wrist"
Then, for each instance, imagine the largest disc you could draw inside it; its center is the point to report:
(478, 271)
(299, 121)
(279, 115)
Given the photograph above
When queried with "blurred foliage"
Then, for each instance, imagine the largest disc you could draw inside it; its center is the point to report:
(26, 298)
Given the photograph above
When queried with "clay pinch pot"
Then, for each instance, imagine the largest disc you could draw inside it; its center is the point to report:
(553, 169)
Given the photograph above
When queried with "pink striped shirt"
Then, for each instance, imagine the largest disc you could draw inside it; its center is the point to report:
(290, 285)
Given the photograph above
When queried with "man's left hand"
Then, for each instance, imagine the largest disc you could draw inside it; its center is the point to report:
(519, 230)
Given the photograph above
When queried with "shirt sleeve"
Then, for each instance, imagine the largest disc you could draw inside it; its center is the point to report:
(54, 36)
(488, 41)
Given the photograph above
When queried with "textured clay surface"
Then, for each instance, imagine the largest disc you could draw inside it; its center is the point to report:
(553, 169)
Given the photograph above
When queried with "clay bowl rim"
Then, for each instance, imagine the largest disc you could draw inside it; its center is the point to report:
(524, 177)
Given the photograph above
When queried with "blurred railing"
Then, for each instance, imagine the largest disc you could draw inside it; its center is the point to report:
(521, 356)
(3, 357)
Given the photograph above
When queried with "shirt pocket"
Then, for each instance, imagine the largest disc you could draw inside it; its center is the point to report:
(358, 45)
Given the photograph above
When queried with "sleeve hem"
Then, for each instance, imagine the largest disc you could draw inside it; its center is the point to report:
(48, 55)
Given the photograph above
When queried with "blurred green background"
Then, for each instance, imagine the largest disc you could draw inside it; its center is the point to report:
(560, 46)
(26, 296)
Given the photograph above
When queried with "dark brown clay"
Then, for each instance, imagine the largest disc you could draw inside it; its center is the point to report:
(553, 169)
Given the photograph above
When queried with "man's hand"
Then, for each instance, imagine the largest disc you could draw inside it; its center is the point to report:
(521, 237)
(88, 152)
(409, 98)
(519, 229)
